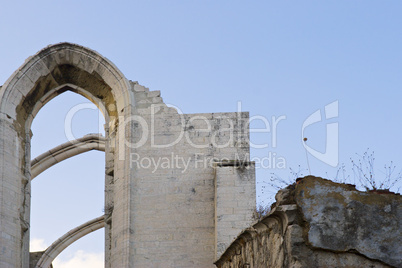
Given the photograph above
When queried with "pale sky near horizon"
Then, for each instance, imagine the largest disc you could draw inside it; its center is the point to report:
(277, 58)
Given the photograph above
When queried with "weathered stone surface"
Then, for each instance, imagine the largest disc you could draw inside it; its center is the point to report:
(319, 223)
(233, 205)
(341, 218)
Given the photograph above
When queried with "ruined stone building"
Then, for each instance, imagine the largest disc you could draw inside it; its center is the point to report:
(182, 214)
(195, 208)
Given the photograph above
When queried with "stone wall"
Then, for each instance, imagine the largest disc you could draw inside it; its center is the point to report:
(319, 223)
(197, 199)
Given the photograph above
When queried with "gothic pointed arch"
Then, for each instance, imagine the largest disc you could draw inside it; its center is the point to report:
(58, 68)
(52, 71)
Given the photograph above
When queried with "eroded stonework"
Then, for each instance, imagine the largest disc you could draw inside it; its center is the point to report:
(319, 223)
(341, 219)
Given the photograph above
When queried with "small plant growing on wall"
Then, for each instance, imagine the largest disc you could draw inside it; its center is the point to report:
(364, 169)
(260, 212)
(366, 176)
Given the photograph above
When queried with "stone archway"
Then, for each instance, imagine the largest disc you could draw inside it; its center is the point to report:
(50, 72)
(67, 239)
(65, 151)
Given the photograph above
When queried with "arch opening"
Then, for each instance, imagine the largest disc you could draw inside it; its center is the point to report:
(50, 72)
(69, 193)
(67, 78)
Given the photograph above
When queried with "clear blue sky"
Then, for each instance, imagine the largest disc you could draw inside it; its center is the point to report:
(278, 58)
